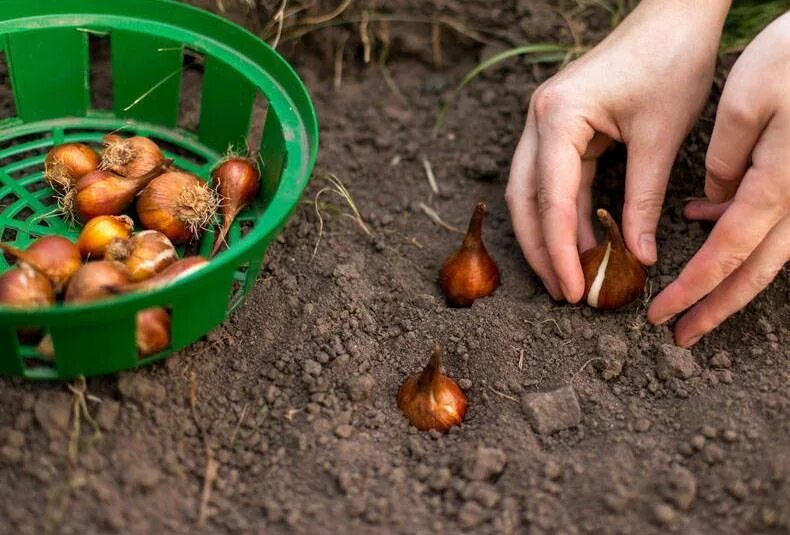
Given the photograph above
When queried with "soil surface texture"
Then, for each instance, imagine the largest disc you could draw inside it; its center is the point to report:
(578, 421)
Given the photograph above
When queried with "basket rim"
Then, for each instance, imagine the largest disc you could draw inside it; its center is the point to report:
(293, 102)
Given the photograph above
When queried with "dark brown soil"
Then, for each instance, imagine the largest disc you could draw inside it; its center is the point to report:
(296, 392)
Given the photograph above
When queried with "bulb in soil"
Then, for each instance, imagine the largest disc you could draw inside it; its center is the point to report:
(430, 399)
(470, 273)
(613, 276)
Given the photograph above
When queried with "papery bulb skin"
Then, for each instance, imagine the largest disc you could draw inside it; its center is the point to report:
(145, 254)
(470, 273)
(53, 256)
(177, 204)
(613, 276)
(25, 287)
(67, 163)
(93, 279)
(172, 273)
(100, 231)
(430, 399)
(131, 157)
(236, 182)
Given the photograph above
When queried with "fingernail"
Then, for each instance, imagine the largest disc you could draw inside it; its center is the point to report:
(665, 319)
(647, 244)
(552, 290)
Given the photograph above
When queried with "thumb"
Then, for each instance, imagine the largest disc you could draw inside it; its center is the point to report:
(646, 178)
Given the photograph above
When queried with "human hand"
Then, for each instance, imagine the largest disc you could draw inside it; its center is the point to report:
(644, 85)
(748, 193)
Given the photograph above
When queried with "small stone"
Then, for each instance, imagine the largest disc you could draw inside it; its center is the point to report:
(135, 386)
(616, 502)
(483, 493)
(712, 454)
(708, 431)
(142, 475)
(641, 425)
(720, 360)
(613, 352)
(549, 412)
(470, 515)
(53, 412)
(729, 435)
(108, 414)
(675, 361)
(487, 463)
(360, 387)
(441, 479)
(312, 367)
(344, 431)
(552, 469)
(737, 489)
(10, 454)
(725, 376)
(680, 487)
(697, 442)
(465, 384)
(664, 514)
(15, 438)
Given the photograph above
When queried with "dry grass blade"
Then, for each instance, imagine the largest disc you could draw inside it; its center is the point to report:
(279, 20)
(321, 19)
(339, 51)
(426, 164)
(338, 188)
(431, 213)
(364, 36)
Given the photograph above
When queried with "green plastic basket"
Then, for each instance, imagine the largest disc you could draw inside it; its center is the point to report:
(46, 47)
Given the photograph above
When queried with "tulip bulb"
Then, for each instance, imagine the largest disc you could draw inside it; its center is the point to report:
(67, 163)
(177, 204)
(172, 273)
(430, 399)
(153, 331)
(101, 231)
(237, 182)
(470, 273)
(145, 254)
(613, 276)
(54, 257)
(24, 287)
(92, 280)
(131, 157)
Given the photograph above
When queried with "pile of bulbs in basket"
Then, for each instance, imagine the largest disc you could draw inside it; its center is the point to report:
(109, 258)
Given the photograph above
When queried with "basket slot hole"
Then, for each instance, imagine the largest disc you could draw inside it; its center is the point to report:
(157, 326)
(36, 185)
(9, 235)
(257, 125)
(100, 71)
(7, 200)
(23, 154)
(191, 90)
(31, 341)
(23, 214)
(239, 283)
(7, 106)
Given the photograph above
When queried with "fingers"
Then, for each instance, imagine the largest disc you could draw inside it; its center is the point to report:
(559, 180)
(738, 289)
(755, 210)
(704, 210)
(646, 181)
(522, 201)
(739, 122)
(586, 239)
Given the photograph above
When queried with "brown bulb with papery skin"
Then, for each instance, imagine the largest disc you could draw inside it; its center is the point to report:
(145, 254)
(153, 331)
(470, 273)
(25, 287)
(100, 232)
(236, 181)
(93, 279)
(67, 163)
(54, 257)
(131, 157)
(613, 276)
(430, 399)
